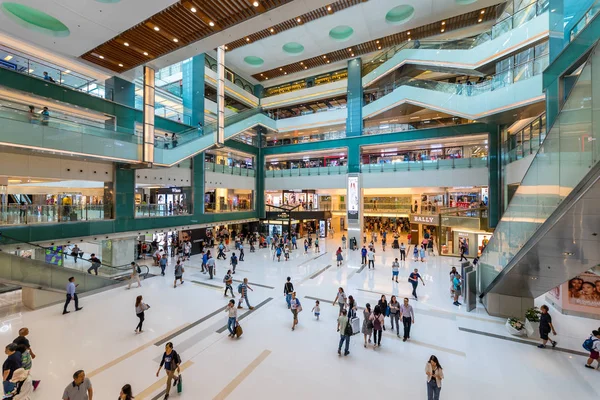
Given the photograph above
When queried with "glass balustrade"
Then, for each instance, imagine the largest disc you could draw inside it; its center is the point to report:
(585, 20)
(314, 171)
(161, 210)
(424, 165)
(30, 214)
(226, 207)
(229, 170)
(525, 142)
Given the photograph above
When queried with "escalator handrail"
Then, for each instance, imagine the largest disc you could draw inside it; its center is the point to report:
(118, 268)
(519, 254)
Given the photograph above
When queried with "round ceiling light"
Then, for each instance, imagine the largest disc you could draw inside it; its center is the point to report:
(341, 33)
(293, 48)
(35, 20)
(254, 61)
(400, 14)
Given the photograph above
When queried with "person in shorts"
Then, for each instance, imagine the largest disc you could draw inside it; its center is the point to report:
(296, 307)
(546, 327)
(179, 270)
(595, 352)
(395, 270)
(317, 309)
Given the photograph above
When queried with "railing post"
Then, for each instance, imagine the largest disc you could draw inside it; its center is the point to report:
(452, 162)
(422, 165)
(470, 162)
(437, 164)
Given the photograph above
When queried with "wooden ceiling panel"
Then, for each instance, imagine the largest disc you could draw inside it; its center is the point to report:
(461, 21)
(179, 25)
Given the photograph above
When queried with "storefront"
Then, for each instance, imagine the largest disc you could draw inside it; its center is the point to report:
(308, 199)
(422, 225)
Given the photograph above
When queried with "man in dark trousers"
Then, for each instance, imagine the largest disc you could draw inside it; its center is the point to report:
(71, 295)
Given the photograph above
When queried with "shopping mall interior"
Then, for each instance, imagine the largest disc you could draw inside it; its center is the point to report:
(368, 162)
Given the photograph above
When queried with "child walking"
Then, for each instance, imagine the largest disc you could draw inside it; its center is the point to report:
(317, 309)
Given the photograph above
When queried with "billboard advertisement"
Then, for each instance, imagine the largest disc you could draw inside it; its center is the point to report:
(353, 197)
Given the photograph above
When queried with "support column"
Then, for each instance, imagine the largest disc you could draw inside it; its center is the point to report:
(354, 207)
(259, 91)
(122, 92)
(148, 145)
(118, 252)
(124, 198)
(495, 181)
(198, 187)
(354, 121)
(556, 28)
(193, 90)
(220, 140)
(260, 206)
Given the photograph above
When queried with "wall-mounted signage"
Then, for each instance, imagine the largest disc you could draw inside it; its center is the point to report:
(425, 219)
(353, 197)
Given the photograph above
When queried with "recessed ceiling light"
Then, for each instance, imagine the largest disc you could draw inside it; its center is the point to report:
(327, 61)
(267, 78)
(247, 39)
(483, 11)
(102, 57)
(285, 73)
(67, 71)
(349, 49)
(443, 22)
(126, 44)
(379, 48)
(408, 33)
(377, 42)
(479, 20)
(442, 30)
(256, 4)
(261, 75)
(328, 8)
(409, 39)
(145, 53)
(301, 63)
(298, 20)
(226, 48)
(281, 69)
(8, 58)
(193, 9)
(156, 28)
(175, 40)
(324, 56)
(120, 65)
(567, 253)
(352, 55)
(305, 67)
(211, 23)
(271, 30)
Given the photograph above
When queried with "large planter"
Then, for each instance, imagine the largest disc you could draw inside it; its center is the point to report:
(533, 329)
(513, 331)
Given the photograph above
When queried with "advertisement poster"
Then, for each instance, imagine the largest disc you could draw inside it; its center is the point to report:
(54, 255)
(584, 290)
(353, 199)
(322, 231)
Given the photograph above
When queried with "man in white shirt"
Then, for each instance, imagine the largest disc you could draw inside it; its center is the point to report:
(371, 258)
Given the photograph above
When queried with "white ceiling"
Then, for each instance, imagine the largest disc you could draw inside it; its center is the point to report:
(367, 19)
(90, 22)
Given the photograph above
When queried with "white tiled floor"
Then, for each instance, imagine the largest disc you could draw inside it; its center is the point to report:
(304, 363)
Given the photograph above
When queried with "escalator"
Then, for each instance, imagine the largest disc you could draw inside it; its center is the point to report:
(550, 230)
(19, 266)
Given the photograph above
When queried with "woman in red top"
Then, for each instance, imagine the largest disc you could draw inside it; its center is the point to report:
(339, 256)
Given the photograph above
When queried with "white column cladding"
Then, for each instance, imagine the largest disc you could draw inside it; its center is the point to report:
(148, 145)
(354, 207)
(220, 96)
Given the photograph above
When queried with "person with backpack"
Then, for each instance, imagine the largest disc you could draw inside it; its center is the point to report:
(228, 280)
(135, 275)
(278, 253)
(140, 307)
(171, 362)
(345, 330)
(593, 346)
(288, 289)
(243, 291)
(377, 319)
(296, 307)
(163, 265)
(546, 327)
(233, 261)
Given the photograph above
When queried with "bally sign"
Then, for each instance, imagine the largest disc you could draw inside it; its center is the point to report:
(425, 219)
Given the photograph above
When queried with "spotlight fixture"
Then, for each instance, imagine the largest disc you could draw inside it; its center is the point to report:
(567, 253)
(379, 48)
(211, 23)
(408, 33)
(226, 48)
(443, 22)
(442, 31)
(145, 53)
(409, 39)
(482, 11)
(301, 63)
(281, 69)
(261, 75)
(479, 20)
(156, 28)
(328, 8)
(247, 39)
(271, 30)
(102, 57)
(256, 4)
(193, 9)
(176, 40)
(327, 61)
(285, 73)
(377, 42)
(352, 55)
(126, 44)
(298, 20)
(120, 65)
(305, 67)
(349, 49)
(267, 78)
(324, 56)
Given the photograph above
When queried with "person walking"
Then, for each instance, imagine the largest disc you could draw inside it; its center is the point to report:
(456, 289)
(593, 346)
(408, 318)
(296, 307)
(233, 261)
(80, 388)
(546, 327)
(27, 354)
(24, 385)
(211, 266)
(135, 275)
(383, 306)
(422, 253)
(435, 374)
(395, 314)
(232, 317)
(288, 289)
(163, 265)
(243, 290)
(75, 253)
(463, 249)
(363, 254)
(383, 242)
(305, 246)
(140, 307)
(402, 252)
(95, 264)
(221, 253)
(344, 241)
(395, 270)
(367, 326)
(241, 251)
(345, 330)
(228, 280)
(71, 295)
(430, 247)
(352, 307)
(317, 244)
(340, 299)
(371, 258)
(413, 278)
(126, 393)
(12, 363)
(179, 270)
(171, 362)
(338, 257)
(452, 274)
(377, 319)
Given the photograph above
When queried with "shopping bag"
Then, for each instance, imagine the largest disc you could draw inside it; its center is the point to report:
(238, 330)
(355, 323)
(180, 384)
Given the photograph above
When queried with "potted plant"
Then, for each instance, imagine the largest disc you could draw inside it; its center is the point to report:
(515, 327)
(532, 322)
